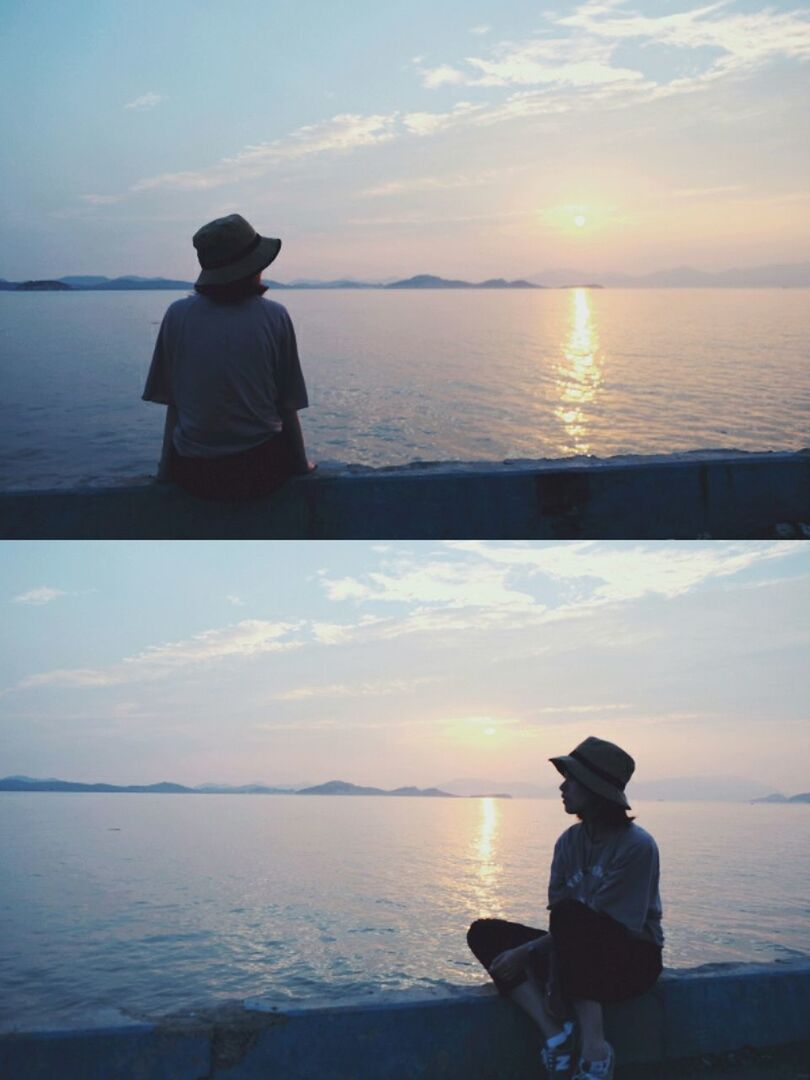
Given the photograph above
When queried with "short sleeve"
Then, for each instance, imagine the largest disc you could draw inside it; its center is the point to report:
(158, 383)
(629, 882)
(291, 388)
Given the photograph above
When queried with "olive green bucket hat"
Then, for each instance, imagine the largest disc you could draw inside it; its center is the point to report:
(600, 766)
(230, 249)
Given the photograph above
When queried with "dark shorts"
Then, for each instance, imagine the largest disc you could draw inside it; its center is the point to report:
(247, 474)
(593, 956)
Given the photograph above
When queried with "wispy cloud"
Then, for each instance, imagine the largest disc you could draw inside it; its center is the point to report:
(43, 595)
(435, 183)
(235, 600)
(145, 101)
(353, 690)
(480, 30)
(340, 134)
(249, 638)
(558, 58)
(631, 571)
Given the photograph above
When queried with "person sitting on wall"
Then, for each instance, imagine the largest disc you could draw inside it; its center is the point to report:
(226, 365)
(604, 940)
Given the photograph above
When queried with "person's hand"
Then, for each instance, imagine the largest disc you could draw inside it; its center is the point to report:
(508, 965)
(305, 468)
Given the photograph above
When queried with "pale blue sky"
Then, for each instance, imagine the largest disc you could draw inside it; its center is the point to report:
(401, 663)
(382, 140)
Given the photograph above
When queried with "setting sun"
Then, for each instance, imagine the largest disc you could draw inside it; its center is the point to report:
(580, 221)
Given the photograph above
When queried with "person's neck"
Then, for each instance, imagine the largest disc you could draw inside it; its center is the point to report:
(596, 830)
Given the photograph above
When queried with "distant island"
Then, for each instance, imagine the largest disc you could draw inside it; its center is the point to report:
(332, 787)
(782, 275)
(803, 797)
(420, 281)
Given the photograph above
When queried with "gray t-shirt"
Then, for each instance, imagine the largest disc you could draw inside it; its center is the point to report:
(229, 370)
(618, 876)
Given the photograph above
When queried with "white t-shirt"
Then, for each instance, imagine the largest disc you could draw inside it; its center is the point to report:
(618, 876)
(229, 370)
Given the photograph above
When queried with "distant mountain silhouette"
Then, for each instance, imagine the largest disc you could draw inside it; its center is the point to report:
(333, 787)
(804, 797)
(781, 275)
(674, 789)
(342, 787)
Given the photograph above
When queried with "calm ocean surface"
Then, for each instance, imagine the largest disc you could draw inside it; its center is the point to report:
(431, 375)
(155, 903)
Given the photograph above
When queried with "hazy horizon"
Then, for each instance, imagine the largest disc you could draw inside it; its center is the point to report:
(403, 663)
(472, 139)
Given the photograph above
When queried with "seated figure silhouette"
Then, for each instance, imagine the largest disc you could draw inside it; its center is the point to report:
(226, 365)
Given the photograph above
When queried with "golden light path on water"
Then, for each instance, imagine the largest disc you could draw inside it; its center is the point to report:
(579, 375)
(487, 884)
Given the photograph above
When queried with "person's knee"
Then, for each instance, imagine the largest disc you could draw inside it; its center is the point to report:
(475, 932)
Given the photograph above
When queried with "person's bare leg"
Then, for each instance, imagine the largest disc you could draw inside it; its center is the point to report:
(594, 1046)
(530, 998)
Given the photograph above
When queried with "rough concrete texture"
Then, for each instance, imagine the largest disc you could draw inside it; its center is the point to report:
(702, 1017)
(711, 494)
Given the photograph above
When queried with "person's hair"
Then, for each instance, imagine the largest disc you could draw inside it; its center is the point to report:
(609, 813)
(234, 291)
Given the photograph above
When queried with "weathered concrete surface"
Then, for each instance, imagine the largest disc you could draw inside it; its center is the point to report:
(470, 1035)
(713, 494)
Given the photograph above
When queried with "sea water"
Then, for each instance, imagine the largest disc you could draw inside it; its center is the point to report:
(154, 903)
(397, 376)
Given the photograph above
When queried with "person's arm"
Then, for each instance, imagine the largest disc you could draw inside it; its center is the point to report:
(510, 963)
(163, 473)
(291, 429)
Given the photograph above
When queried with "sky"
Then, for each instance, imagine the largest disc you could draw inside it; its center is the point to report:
(401, 663)
(465, 138)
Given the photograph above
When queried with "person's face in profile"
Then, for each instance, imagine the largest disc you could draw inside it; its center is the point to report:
(575, 796)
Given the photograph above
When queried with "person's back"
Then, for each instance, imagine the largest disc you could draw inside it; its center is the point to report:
(231, 370)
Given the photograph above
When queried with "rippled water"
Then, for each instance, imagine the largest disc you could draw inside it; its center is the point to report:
(430, 375)
(155, 903)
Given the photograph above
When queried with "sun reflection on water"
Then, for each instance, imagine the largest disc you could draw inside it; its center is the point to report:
(579, 375)
(488, 869)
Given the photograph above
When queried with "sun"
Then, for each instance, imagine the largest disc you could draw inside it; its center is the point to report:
(580, 221)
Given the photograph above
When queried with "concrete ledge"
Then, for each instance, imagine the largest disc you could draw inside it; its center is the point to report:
(468, 1035)
(712, 494)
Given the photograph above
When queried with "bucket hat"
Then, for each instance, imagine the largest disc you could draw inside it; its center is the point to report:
(229, 249)
(600, 766)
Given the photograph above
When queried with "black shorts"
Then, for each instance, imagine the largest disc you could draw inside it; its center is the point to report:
(246, 474)
(593, 956)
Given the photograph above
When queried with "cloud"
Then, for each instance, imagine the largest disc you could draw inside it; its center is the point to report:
(443, 75)
(145, 101)
(630, 571)
(480, 30)
(249, 638)
(340, 134)
(747, 39)
(355, 690)
(431, 582)
(427, 123)
(235, 600)
(436, 183)
(42, 595)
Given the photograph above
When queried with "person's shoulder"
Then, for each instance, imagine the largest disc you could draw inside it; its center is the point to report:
(570, 835)
(273, 310)
(640, 838)
(178, 308)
